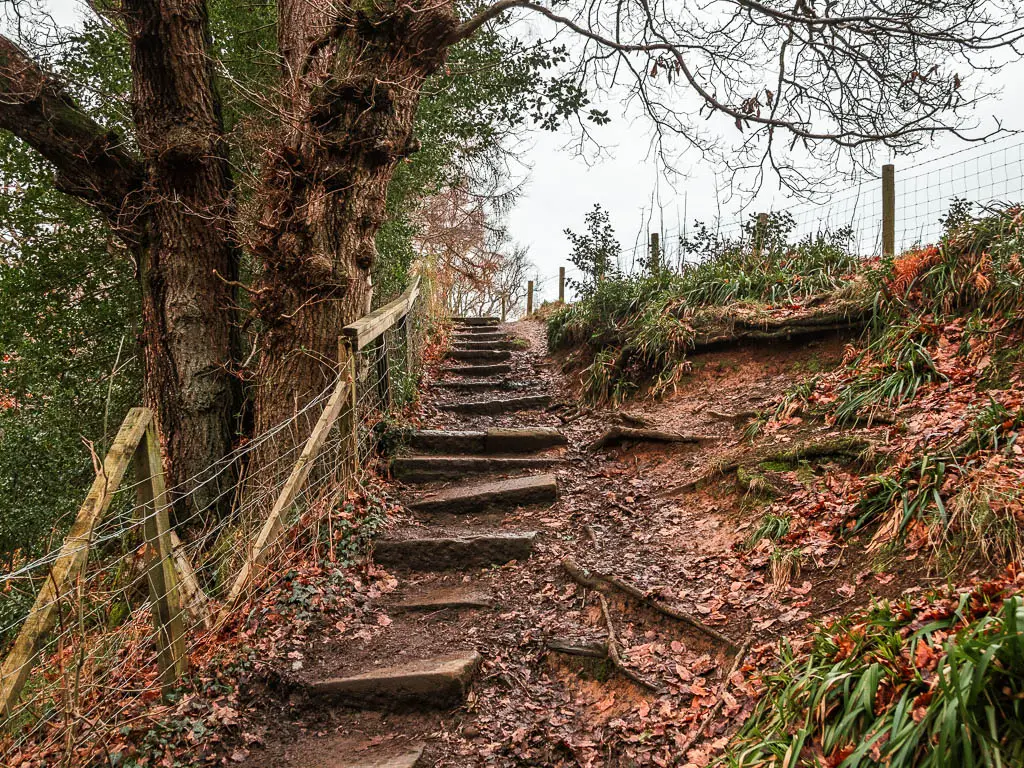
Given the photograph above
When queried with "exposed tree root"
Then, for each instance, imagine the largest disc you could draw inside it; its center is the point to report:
(595, 650)
(850, 448)
(635, 419)
(733, 417)
(617, 435)
(613, 651)
(715, 329)
(594, 579)
(713, 713)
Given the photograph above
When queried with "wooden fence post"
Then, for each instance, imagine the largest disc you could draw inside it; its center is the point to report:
(349, 421)
(561, 285)
(384, 372)
(70, 562)
(760, 234)
(888, 210)
(655, 252)
(405, 332)
(529, 298)
(164, 596)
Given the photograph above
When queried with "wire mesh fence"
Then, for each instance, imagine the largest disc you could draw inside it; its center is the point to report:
(985, 175)
(112, 625)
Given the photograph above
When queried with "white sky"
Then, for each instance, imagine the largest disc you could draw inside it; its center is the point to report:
(562, 186)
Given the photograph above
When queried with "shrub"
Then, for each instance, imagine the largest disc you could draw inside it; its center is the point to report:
(635, 330)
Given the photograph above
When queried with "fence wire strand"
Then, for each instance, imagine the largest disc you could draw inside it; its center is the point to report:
(104, 644)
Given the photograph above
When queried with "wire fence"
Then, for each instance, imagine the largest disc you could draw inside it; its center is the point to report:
(102, 662)
(987, 174)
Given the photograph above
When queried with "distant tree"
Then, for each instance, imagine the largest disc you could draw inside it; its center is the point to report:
(595, 253)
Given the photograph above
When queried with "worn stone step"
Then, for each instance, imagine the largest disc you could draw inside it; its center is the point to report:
(485, 355)
(490, 320)
(380, 757)
(481, 334)
(427, 469)
(490, 441)
(444, 598)
(476, 330)
(497, 369)
(434, 683)
(479, 385)
(500, 405)
(473, 384)
(487, 344)
(481, 497)
(446, 553)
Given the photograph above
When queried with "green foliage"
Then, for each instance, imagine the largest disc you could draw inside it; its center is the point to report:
(763, 265)
(771, 526)
(974, 276)
(976, 518)
(69, 370)
(638, 328)
(940, 683)
(595, 253)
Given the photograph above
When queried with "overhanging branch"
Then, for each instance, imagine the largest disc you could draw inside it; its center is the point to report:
(91, 162)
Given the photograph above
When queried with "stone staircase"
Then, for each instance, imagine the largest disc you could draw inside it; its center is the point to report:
(460, 480)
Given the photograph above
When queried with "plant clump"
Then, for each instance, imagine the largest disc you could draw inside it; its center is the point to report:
(933, 681)
(635, 331)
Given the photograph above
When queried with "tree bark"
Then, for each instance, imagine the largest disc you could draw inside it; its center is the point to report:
(190, 256)
(172, 207)
(351, 87)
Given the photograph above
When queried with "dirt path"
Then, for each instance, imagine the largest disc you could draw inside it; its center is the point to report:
(478, 647)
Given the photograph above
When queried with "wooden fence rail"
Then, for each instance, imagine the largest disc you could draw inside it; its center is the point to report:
(173, 587)
(135, 442)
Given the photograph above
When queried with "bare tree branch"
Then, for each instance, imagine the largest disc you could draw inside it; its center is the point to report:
(91, 162)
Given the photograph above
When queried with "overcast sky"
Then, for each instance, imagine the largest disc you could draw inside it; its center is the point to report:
(561, 185)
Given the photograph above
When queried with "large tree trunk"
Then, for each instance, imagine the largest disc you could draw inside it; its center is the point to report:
(188, 253)
(351, 86)
(173, 209)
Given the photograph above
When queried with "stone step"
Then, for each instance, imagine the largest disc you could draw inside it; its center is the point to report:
(500, 405)
(497, 369)
(461, 320)
(428, 469)
(462, 345)
(435, 683)
(482, 335)
(476, 330)
(454, 553)
(381, 757)
(488, 441)
(481, 497)
(485, 355)
(476, 385)
(444, 598)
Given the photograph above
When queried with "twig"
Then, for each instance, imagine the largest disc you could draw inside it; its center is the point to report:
(594, 580)
(613, 650)
(737, 661)
(738, 416)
